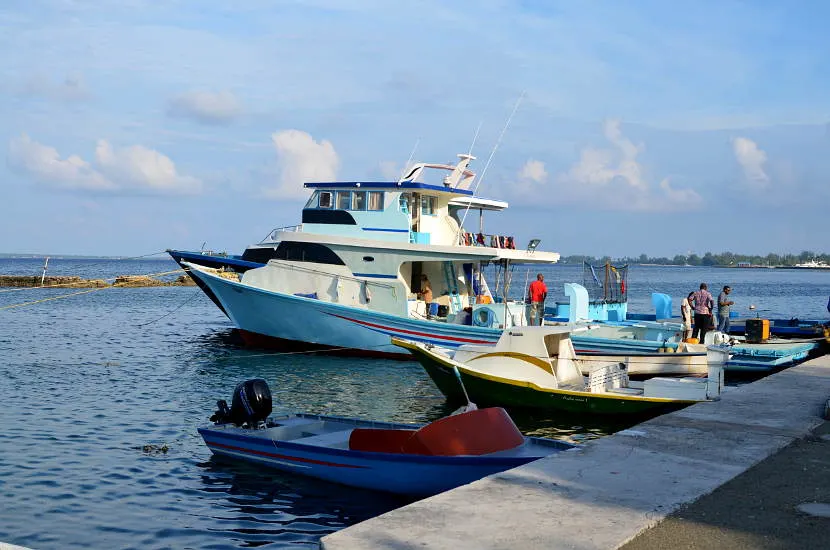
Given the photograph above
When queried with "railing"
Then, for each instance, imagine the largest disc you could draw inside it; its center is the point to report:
(272, 235)
(486, 239)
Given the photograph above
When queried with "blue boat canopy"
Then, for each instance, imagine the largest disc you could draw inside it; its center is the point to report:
(387, 185)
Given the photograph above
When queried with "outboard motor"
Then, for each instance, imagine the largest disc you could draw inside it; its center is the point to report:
(251, 404)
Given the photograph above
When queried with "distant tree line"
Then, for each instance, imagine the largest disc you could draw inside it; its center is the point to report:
(708, 259)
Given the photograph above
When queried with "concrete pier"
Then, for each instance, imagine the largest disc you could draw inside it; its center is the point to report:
(605, 494)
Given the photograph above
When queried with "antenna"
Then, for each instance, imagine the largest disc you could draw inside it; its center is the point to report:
(411, 155)
(492, 153)
(475, 137)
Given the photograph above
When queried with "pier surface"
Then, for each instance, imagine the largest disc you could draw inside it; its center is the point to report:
(759, 449)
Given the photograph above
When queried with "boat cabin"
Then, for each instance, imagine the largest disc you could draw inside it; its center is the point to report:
(379, 245)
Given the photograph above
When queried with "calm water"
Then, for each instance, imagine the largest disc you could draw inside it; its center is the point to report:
(89, 381)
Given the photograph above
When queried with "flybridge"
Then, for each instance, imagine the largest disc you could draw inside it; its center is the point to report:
(458, 181)
(386, 185)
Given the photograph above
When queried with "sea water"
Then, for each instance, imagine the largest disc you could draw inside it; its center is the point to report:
(102, 393)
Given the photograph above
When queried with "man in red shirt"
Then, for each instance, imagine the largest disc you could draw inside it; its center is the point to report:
(536, 296)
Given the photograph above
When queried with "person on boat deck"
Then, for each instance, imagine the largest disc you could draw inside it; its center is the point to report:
(723, 309)
(426, 290)
(703, 303)
(686, 315)
(536, 295)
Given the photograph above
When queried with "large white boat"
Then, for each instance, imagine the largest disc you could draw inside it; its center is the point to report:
(813, 264)
(350, 276)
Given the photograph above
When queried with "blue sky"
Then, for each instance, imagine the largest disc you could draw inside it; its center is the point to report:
(134, 126)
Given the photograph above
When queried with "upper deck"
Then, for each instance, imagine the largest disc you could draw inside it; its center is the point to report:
(404, 212)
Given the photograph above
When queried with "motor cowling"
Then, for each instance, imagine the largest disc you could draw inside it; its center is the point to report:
(251, 404)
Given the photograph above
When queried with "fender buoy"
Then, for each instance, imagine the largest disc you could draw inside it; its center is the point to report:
(483, 317)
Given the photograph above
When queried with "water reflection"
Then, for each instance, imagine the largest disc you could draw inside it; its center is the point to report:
(263, 506)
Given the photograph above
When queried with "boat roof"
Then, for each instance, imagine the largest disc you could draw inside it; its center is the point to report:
(480, 203)
(386, 185)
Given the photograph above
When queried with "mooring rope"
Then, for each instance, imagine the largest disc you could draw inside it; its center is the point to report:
(54, 298)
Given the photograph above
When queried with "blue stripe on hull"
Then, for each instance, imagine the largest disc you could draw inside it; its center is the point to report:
(413, 475)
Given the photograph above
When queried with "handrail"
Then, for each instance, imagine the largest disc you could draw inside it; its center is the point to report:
(271, 236)
(488, 238)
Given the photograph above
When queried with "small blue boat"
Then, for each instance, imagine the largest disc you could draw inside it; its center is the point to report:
(406, 459)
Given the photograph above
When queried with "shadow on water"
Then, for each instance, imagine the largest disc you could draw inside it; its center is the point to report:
(263, 506)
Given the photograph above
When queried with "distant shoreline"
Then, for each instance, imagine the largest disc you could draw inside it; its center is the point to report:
(122, 281)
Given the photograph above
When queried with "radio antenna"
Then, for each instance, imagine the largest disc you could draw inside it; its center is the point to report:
(492, 153)
(411, 155)
(475, 137)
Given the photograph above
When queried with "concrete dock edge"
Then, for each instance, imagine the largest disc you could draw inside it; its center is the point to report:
(606, 493)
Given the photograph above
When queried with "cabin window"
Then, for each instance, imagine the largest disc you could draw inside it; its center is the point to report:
(344, 200)
(404, 203)
(359, 200)
(325, 199)
(312, 201)
(427, 205)
(368, 258)
(375, 200)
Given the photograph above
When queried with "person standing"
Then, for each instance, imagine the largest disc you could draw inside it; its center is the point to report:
(426, 293)
(536, 295)
(723, 309)
(686, 315)
(703, 303)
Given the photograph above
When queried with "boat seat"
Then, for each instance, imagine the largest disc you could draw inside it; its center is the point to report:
(478, 432)
(379, 440)
(328, 439)
(626, 391)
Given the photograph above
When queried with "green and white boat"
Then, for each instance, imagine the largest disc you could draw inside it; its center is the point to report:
(536, 367)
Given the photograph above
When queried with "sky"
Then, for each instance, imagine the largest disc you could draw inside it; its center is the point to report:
(129, 127)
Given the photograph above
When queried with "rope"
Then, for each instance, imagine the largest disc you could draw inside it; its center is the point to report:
(192, 295)
(54, 298)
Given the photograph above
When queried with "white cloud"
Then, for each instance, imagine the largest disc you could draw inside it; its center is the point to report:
(134, 168)
(534, 170)
(752, 160)
(205, 107)
(301, 159)
(138, 167)
(684, 198)
(45, 165)
(610, 178)
(599, 167)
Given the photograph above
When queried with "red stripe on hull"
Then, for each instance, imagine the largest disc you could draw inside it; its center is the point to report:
(416, 333)
(283, 457)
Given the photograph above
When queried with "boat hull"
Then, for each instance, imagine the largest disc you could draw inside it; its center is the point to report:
(213, 261)
(404, 474)
(292, 322)
(486, 391)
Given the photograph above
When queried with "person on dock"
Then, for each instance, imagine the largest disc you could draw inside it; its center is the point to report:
(723, 309)
(686, 315)
(536, 295)
(703, 303)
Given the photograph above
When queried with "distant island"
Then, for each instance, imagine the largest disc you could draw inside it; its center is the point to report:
(709, 259)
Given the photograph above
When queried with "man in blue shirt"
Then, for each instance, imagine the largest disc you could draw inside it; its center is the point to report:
(723, 309)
